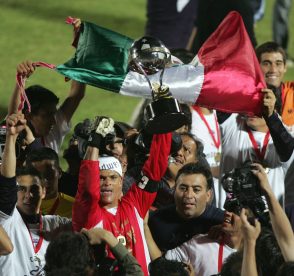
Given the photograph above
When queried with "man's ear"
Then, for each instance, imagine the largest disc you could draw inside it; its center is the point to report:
(43, 192)
(59, 172)
(209, 194)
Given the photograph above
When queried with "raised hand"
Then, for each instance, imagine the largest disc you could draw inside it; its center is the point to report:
(269, 101)
(25, 68)
(15, 123)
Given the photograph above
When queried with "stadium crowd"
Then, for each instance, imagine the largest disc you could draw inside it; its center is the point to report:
(214, 197)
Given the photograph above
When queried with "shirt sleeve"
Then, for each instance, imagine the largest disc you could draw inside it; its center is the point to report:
(177, 254)
(86, 210)
(283, 141)
(128, 261)
(8, 194)
(144, 192)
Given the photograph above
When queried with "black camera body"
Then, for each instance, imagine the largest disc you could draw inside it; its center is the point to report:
(82, 132)
(243, 191)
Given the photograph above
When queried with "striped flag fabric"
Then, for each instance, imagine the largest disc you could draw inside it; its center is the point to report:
(225, 74)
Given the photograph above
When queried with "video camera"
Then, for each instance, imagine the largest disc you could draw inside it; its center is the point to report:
(243, 191)
(82, 132)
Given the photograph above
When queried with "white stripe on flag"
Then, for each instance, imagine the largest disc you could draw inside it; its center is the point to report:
(185, 83)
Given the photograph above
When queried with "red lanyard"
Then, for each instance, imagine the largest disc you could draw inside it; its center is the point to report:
(40, 241)
(216, 140)
(259, 153)
(220, 257)
(54, 206)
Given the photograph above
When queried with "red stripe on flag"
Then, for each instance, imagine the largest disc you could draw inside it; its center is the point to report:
(232, 75)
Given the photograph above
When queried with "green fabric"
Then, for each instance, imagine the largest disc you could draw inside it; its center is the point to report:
(101, 58)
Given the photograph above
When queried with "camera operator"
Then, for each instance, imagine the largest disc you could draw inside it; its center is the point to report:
(79, 258)
(249, 138)
(280, 225)
(99, 201)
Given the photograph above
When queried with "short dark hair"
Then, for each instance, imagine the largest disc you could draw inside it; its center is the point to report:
(69, 252)
(268, 253)
(41, 154)
(29, 170)
(270, 47)
(196, 168)
(233, 264)
(199, 146)
(39, 97)
(162, 266)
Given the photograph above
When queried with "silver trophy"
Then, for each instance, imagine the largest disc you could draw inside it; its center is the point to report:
(148, 56)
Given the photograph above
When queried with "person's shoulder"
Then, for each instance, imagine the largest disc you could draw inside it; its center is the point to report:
(164, 211)
(213, 212)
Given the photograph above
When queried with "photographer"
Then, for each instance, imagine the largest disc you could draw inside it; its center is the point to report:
(249, 138)
(99, 201)
(79, 258)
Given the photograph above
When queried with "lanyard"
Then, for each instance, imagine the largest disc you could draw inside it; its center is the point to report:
(54, 206)
(40, 241)
(259, 153)
(220, 257)
(216, 140)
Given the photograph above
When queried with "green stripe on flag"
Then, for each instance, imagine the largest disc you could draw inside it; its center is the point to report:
(101, 58)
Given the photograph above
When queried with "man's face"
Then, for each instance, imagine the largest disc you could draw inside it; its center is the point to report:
(187, 153)
(191, 195)
(43, 121)
(30, 194)
(231, 224)
(51, 174)
(116, 148)
(273, 68)
(110, 188)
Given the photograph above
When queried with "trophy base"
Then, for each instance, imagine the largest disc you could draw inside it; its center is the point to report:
(164, 115)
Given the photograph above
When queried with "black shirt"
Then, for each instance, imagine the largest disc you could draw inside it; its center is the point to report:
(169, 230)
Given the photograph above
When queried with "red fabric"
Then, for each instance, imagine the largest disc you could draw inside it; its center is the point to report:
(231, 65)
(156, 164)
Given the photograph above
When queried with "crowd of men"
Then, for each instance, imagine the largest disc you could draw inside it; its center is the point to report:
(132, 203)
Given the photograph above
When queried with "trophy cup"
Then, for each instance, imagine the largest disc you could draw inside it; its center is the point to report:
(148, 56)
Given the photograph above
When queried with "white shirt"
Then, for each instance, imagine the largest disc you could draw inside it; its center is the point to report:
(202, 253)
(237, 148)
(201, 132)
(23, 260)
(55, 137)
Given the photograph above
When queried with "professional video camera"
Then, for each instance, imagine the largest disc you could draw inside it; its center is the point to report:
(243, 191)
(82, 132)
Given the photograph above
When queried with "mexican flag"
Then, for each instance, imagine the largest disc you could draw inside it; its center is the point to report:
(224, 75)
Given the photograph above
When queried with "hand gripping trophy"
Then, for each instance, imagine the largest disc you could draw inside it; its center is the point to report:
(148, 56)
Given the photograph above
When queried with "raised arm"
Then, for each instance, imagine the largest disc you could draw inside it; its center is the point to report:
(283, 141)
(280, 223)
(154, 251)
(250, 234)
(86, 208)
(71, 103)
(15, 123)
(143, 193)
(25, 69)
